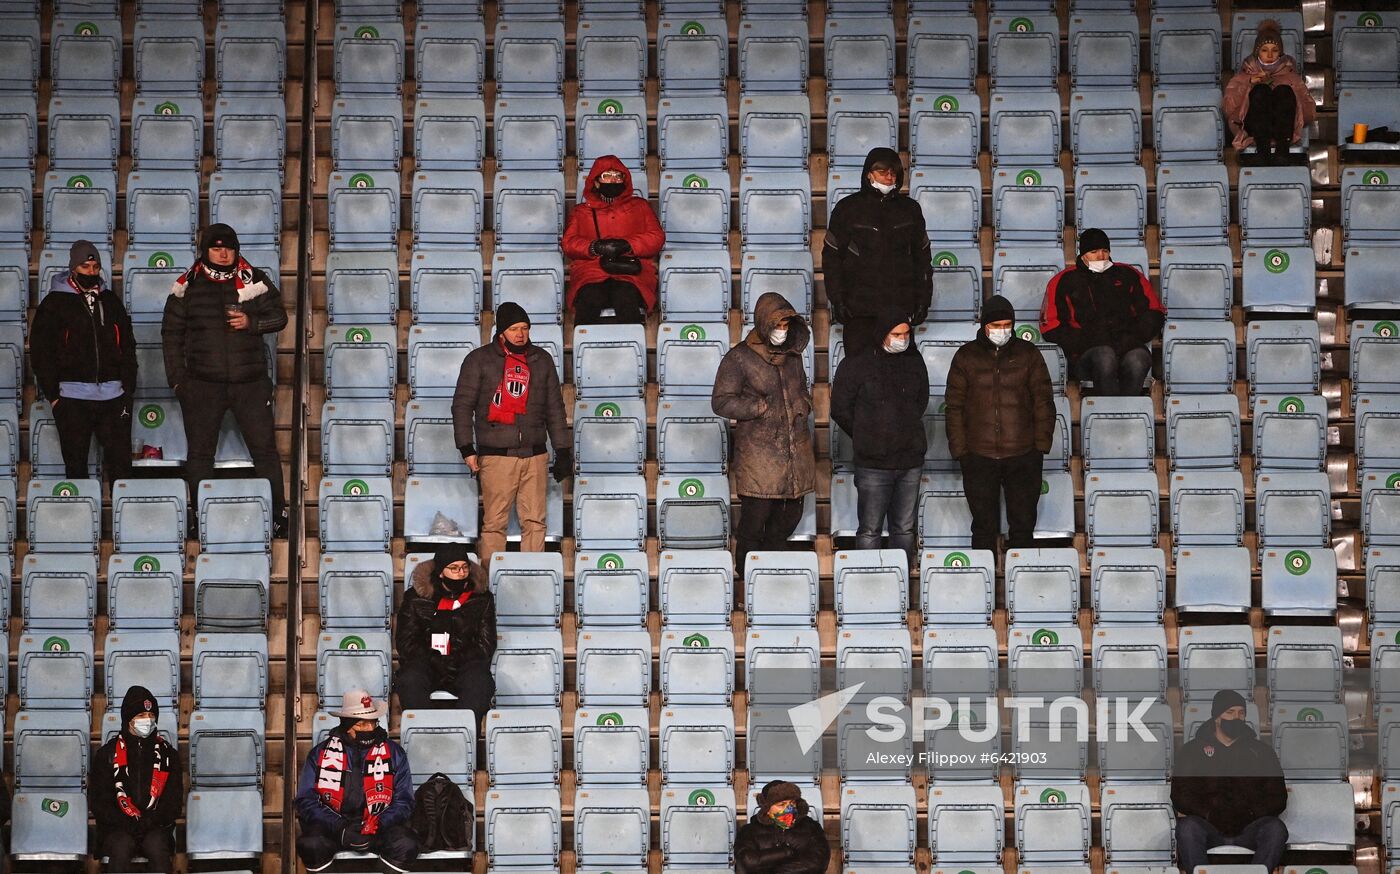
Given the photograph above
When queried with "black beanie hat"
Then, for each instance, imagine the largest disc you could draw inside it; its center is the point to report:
(509, 313)
(81, 252)
(217, 233)
(139, 700)
(1092, 239)
(450, 553)
(1224, 700)
(997, 309)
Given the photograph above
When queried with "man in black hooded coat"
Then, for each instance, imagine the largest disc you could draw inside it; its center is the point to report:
(877, 254)
(137, 788)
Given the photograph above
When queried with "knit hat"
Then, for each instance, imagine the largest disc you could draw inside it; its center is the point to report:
(138, 701)
(82, 252)
(1267, 33)
(450, 553)
(997, 309)
(1224, 700)
(510, 313)
(218, 234)
(1092, 239)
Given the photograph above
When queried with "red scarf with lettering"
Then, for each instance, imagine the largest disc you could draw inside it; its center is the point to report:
(441, 623)
(513, 393)
(241, 274)
(121, 774)
(378, 780)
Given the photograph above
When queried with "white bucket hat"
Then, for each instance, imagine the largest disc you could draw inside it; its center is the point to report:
(359, 704)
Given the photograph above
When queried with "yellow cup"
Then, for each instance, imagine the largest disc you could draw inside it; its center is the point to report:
(1358, 133)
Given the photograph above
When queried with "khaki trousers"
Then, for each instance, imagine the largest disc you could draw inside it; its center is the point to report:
(507, 481)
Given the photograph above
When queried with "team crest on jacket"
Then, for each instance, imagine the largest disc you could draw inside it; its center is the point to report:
(1209, 751)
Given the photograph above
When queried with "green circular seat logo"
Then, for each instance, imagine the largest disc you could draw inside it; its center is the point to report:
(1053, 796)
(1276, 260)
(1045, 637)
(692, 28)
(1045, 487)
(353, 641)
(65, 489)
(1384, 329)
(702, 798)
(355, 487)
(695, 180)
(358, 335)
(160, 260)
(1298, 562)
(362, 180)
(367, 32)
(942, 407)
(1291, 404)
(945, 259)
(956, 559)
(946, 103)
(85, 28)
(1375, 177)
(609, 107)
(167, 108)
(1028, 177)
(1370, 19)
(691, 488)
(610, 720)
(56, 807)
(147, 564)
(696, 640)
(609, 561)
(152, 415)
(1028, 332)
(692, 333)
(607, 410)
(56, 644)
(1393, 481)
(1021, 25)
(1309, 714)
(79, 181)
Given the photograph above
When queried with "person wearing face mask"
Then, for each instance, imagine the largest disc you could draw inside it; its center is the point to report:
(136, 788)
(761, 384)
(612, 241)
(1000, 408)
(780, 837)
(1228, 789)
(507, 404)
(356, 792)
(879, 398)
(877, 254)
(84, 359)
(1104, 315)
(1267, 102)
(213, 332)
(446, 634)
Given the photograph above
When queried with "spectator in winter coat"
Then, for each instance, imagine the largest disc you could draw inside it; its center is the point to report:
(356, 791)
(611, 223)
(1000, 421)
(137, 788)
(446, 634)
(761, 384)
(879, 398)
(84, 360)
(876, 254)
(780, 837)
(1104, 315)
(213, 330)
(507, 403)
(1267, 102)
(1228, 788)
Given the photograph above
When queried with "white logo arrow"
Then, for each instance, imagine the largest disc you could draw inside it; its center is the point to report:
(811, 720)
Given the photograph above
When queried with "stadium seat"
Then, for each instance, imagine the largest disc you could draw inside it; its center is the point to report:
(356, 513)
(1120, 508)
(1292, 509)
(1188, 124)
(609, 361)
(1021, 273)
(231, 592)
(1023, 51)
(149, 515)
(1103, 50)
(166, 135)
(359, 365)
(951, 200)
(64, 516)
(51, 768)
(528, 209)
(610, 512)
(1129, 585)
(1305, 664)
(447, 209)
(965, 824)
(1290, 432)
(611, 590)
(346, 661)
(773, 55)
(435, 354)
(1113, 199)
(1284, 357)
(449, 132)
(775, 209)
(364, 214)
(942, 53)
(449, 57)
(945, 130)
(860, 53)
(1375, 107)
(692, 512)
(1105, 127)
(1299, 581)
(1203, 431)
(58, 592)
(230, 671)
(697, 668)
(142, 658)
(697, 825)
(86, 55)
(1198, 357)
(1025, 130)
(692, 55)
(1117, 433)
(524, 746)
(529, 668)
(1207, 508)
(692, 132)
(878, 824)
(369, 58)
(1193, 204)
(523, 827)
(697, 744)
(1366, 50)
(1215, 657)
(1197, 281)
(1185, 50)
(858, 123)
(169, 55)
(250, 56)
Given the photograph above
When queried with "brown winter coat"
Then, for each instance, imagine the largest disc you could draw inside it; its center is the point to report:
(1000, 402)
(1236, 102)
(764, 389)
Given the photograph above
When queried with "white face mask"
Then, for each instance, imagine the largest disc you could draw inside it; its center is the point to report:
(894, 347)
(1098, 266)
(143, 726)
(778, 336)
(882, 187)
(999, 336)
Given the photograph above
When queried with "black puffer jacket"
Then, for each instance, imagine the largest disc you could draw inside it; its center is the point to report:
(478, 380)
(1228, 786)
(70, 344)
(876, 252)
(1000, 401)
(198, 343)
(879, 399)
(762, 848)
(473, 634)
(1084, 309)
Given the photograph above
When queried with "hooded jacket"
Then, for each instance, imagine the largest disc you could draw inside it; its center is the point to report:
(879, 399)
(760, 847)
(1236, 100)
(477, 381)
(1228, 786)
(194, 329)
(764, 389)
(315, 814)
(627, 217)
(1083, 309)
(1000, 401)
(140, 752)
(70, 344)
(877, 250)
(473, 625)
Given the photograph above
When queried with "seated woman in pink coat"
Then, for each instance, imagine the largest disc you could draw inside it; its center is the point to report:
(1267, 101)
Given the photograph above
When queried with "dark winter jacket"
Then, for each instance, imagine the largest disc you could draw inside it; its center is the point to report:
(764, 389)
(877, 250)
(762, 848)
(628, 217)
(102, 790)
(198, 343)
(1228, 786)
(1000, 401)
(879, 399)
(70, 344)
(314, 813)
(473, 634)
(1084, 309)
(543, 418)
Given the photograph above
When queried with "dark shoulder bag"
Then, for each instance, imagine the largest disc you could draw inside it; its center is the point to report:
(618, 265)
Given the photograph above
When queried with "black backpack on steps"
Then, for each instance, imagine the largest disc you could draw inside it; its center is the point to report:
(442, 816)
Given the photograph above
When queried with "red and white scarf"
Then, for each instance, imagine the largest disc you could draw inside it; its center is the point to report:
(440, 627)
(513, 394)
(121, 774)
(378, 780)
(241, 275)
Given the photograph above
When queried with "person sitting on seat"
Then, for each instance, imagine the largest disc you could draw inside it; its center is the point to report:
(1267, 102)
(137, 788)
(780, 838)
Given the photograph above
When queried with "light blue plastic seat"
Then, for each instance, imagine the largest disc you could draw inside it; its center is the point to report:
(356, 513)
(1188, 124)
(942, 53)
(1275, 206)
(1103, 50)
(1129, 585)
(1024, 129)
(692, 132)
(49, 819)
(697, 825)
(446, 287)
(362, 287)
(148, 658)
(1298, 581)
(773, 55)
(523, 827)
(1305, 664)
(945, 129)
(774, 131)
(1028, 206)
(860, 53)
(1290, 432)
(528, 209)
(251, 201)
(775, 209)
(1203, 431)
(167, 132)
(19, 70)
(449, 56)
(965, 823)
(1215, 657)
(169, 55)
(149, 515)
(878, 824)
(610, 511)
(16, 220)
(615, 125)
(366, 133)
(858, 123)
(230, 671)
(1020, 273)
(1198, 357)
(529, 57)
(535, 280)
(1197, 281)
(144, 591)
(693, 511)
(1192, 204)
(951, 200)
(357, 437)
(1293, 508)
(449, 132)
(1284, 357)
(58, 592)
(957, 587)
(231, 592)
(1185, 49)
(1023, 51)
(1117, 433)
(361, 362)
(369, 58)
(611, 590)
(692, 54)
(696, 744)
(364, 210)
(524, 746)
(611, 825)
(1377, 107)
(1105, 127)
(1366, 49)
(694, 208)
(86, 54)
(348, 660)
(80, 206)
(529, 668)
(1207, 508)
(435, 354)
(250, 56)
(1113, 199)
(64, 516)
(944, 519)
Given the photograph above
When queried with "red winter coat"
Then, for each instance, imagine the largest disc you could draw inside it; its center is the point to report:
(628, 217)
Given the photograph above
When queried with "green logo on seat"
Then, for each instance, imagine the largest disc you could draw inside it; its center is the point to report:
(1375, 177)
(65, 489)
(695, 180)
(691, 488)
(696, 640)
(358, 335)
(945, 259)
(1393, 481)
(1309, 714)
(607, 410)
(1370, 19)
(85, 28)
(1021, 25)
(79, 181)
(1045, 637)
(167, 108)
(56, 644)
(353, 641)
(702, 798)
(1028, 332)
(1291, 404)
(1045, 487)
(610, 720)
(609, 561)
(609, 107)
(945, 103)
(942, 407)
(362, 180)
(1276, 260)
(1298, 562)
(55, 807)
(692, 333)
(956, 559)
(151, 415)
(1053, 796)
(355, 487)
(1028, 177)
(1384, 329)
(692, 28)
(146, 564)
(367, 32)
(160, 260)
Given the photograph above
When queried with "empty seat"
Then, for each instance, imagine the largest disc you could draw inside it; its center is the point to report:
(358, 660)
(1185, 49)
(58, 592)
(878, 824)
(361, 287)
(774, 131)
(775, 209)
(231, 592)
(696, 744)
(1118, 433)
(449, 132)
(610, 512)
(524, 746)
(523, 827)
(1020, 273)
(1024, 51)
(51, 767)
(856, 124)
(609, 360)
(528, 209)
(1203, 431)
(449, 56)
(1188, 124)
(1025, 129)
(945, 129)
(1293, 509)
(1214, 658)
(64, 516)
(1113, 199)
(1274, 205)
(1290, 432)
(942, 53)
(166, 135)
(1193, 204)
(1198, 357)
(1120, 508)
(773, 55)
(529, 668)
(1103, 50)
(1284, 357)
(364, 213)
(698, 667)
(169, 55)
(688, 356)
(369, 58)
(435, 354)
(446, 287)
(1028, 206)
(697, 825)
(147, 658)
(859, 54)
(149, 515)
(1299, 581)
(356, 513)
(692, 512)
(787, 273)
(249, 200)
(230, 671)
(1305, 664)
(359, 364)
(86, 54)
(1207, 508)
(1105, 127)
(1197, 281)
(692, 55)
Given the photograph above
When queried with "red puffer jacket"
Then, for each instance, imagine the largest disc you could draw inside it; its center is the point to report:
(627, 217)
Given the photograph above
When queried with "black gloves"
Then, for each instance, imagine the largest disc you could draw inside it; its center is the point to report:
(563, 466)
(352, 838)
(920, 316)
(609, 247)
(839, 312)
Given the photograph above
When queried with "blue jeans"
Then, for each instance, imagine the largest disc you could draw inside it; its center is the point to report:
(887, 493)
(1113, 374)
(1267, 836)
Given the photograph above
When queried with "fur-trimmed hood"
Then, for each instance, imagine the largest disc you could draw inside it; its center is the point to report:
(424, 579)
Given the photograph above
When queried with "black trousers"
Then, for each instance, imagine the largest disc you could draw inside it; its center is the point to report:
(618, 295)
(78, 420)
(157, 845)
(985, 481)
(474, 687)
(204, 404)
(1269, 119)
(764, 523)
(395, 844)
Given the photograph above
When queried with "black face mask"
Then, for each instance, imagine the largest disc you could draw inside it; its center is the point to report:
(87, 281)
(1234, 729)
(511, 347)
(453, 587)
(371, 738)
(611, 189)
